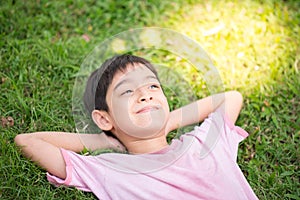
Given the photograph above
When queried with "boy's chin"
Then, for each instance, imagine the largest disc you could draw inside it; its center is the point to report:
(147, 125)
(146, 130)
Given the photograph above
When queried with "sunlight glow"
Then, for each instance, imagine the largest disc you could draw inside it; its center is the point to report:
(244, 38)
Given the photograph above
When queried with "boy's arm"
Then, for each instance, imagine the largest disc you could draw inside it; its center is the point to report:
(228, 102)
(44, 147)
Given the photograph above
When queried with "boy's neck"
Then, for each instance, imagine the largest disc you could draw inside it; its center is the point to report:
(146, 146)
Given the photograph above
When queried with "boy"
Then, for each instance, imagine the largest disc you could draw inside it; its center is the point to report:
(124, 98)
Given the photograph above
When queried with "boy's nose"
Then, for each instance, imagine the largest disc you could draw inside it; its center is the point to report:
(145, 96)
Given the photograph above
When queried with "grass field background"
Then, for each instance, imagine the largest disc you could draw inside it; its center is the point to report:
(255, 46)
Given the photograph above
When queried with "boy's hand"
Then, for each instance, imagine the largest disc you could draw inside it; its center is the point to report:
(115, 144)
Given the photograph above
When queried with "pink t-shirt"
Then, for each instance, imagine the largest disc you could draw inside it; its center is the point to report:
(200, 164)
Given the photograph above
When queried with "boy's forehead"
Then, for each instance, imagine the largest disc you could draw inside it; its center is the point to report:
(135, 71)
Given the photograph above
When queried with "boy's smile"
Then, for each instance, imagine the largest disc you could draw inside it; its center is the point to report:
(137, 104)
(147, 109)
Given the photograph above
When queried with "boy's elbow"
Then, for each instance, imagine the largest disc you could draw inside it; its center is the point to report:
(238, 97)
(18, 139)
(25, 142)
(21, 140)
(233, 105)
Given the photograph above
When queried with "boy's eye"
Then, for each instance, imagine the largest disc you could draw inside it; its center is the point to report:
(127, 92)
(153, 86)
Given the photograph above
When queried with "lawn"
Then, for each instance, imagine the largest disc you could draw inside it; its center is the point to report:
(255, 45)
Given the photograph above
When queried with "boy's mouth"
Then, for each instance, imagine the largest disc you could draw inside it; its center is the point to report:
(147, 109)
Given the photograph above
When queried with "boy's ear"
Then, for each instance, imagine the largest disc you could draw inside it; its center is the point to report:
(101, 118)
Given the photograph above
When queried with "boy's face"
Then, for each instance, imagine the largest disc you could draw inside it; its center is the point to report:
(137, 104)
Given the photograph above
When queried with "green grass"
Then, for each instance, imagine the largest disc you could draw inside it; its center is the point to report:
(254, 45)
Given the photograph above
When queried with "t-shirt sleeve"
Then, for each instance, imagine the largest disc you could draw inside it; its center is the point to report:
(78, 169)
(218, 129)
(69, 170)
(233, 135)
